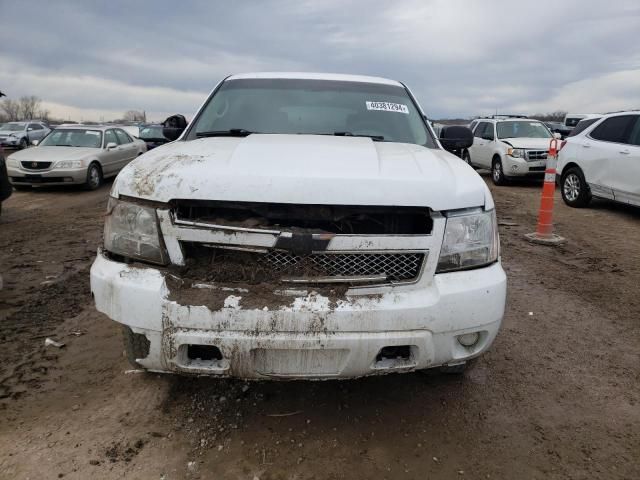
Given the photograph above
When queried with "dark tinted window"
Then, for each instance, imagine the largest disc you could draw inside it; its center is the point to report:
(488, 133)
(582, 126)
(479, 129)
(35, 126)
(634, 137)
(614, 129)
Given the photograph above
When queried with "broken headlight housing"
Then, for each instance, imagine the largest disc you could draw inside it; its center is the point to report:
(470, 241)
(131, 230)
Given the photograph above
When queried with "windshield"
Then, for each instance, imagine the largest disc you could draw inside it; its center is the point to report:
(73, 138)
(12, 127)
(151, 133)
(522, 129)
(315, 107)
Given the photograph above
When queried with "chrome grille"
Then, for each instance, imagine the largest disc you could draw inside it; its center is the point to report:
(404, 266)
(536, 155)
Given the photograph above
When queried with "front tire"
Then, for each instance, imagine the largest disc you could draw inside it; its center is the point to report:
(24, 143)
(497, 172)
(94, 177)
(136, 346)
(574, 188)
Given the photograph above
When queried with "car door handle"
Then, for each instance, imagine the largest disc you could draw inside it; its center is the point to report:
(625, 152)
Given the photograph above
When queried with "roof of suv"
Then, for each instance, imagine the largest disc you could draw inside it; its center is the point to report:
(316, 76)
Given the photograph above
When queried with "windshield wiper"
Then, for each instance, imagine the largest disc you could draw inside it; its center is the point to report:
(232, 132)
(375, 138)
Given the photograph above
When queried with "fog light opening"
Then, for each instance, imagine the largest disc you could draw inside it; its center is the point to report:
(468, 340)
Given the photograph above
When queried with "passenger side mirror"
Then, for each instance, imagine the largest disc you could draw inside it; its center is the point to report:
(29, 129)
(454, 138)
(557, 135)
(111, 145)
(35, 143)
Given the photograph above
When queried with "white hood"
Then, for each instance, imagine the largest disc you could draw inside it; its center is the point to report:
(303, 169)
(529, 143)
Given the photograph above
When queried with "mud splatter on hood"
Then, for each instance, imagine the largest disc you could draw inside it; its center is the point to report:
(304, 169)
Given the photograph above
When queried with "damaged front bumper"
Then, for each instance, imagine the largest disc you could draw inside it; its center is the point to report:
(308, 335)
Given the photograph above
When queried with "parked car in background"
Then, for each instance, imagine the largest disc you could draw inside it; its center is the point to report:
(5, 186)
(74, 155)
(603, 160)
(558, 127)
(572, 119)
(510, 147)
(152, 135)
(584, 124)
(347, 241)
(21, 134)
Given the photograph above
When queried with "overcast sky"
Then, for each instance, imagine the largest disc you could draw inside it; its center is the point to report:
(89, 60)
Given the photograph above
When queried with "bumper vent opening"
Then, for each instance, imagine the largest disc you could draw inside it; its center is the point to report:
(396, 356)
(203, 352)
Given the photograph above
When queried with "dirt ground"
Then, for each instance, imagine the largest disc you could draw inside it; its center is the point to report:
(558, 395)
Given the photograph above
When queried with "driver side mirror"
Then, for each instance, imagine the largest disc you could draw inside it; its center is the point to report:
(557, 136)
(111, 145)
(454, 137)
(173, 127)
(172, 133)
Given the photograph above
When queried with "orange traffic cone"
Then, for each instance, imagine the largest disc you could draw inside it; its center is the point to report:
(544, 231)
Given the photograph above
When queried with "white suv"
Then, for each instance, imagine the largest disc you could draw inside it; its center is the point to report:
(302, 226)
(602, 161)
(510, 147)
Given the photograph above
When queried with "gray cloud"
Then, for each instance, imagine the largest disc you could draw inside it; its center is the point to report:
(460, 58)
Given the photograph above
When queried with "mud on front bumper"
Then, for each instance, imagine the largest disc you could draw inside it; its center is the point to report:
(309, 336)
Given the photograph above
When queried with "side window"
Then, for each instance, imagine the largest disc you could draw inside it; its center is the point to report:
(614, 129)
(35, 126)
(110, 137)
(479, 129)
(634, 137)
(489, 132)
(123, 138)
(582, 126)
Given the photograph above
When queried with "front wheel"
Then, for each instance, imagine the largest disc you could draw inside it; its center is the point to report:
(94, 177)
(497, 173)
(24, 143)
(574, 188)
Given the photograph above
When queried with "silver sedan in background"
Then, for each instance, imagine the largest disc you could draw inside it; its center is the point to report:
(74, 155)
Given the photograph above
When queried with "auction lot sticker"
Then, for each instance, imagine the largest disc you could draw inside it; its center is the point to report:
(387, 107)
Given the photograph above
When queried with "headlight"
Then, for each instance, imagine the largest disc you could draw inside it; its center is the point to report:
(13, 163)
(470, 240)
(131, 230)
(69, 164)
(517, 152)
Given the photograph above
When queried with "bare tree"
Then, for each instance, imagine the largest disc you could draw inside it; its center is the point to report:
(11, 109)
(44, 114)
(29, 107)
(134, 116)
